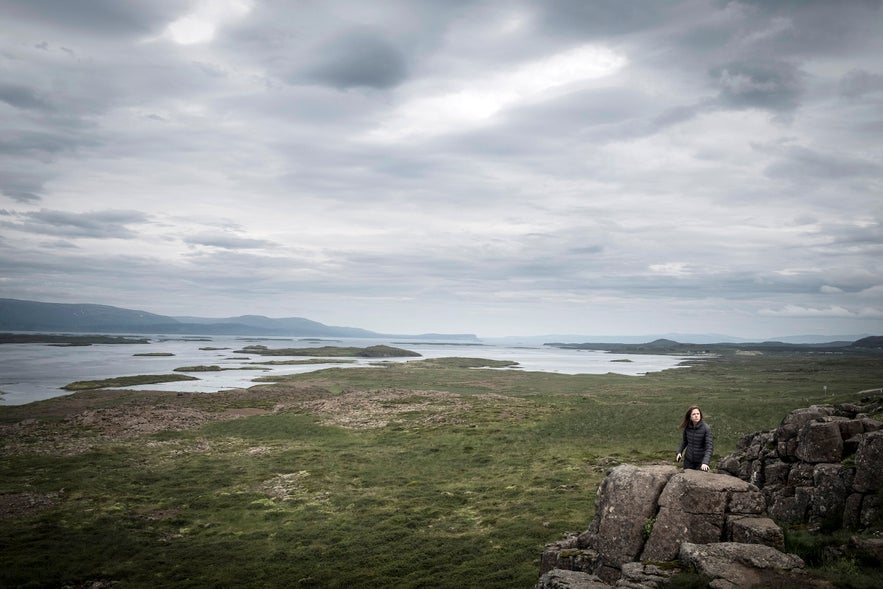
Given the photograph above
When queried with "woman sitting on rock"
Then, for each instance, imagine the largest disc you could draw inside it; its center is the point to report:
(696, 443)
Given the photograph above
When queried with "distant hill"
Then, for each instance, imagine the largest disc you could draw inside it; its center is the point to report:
(872, 344)
(21, 315)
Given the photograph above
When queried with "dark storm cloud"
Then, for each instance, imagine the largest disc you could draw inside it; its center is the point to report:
(96, 225)
(771, 85)
(358, 58)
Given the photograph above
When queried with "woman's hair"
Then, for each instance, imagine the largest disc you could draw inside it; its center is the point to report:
(687, 421)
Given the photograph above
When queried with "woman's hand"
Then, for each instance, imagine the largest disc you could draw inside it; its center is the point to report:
(704, 467)
(678, 457)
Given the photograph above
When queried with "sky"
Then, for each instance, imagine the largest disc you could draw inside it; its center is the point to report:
(490, 167)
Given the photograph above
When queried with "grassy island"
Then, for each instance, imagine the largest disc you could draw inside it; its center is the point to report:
(65, 339)
(125, 381)
(332, 352)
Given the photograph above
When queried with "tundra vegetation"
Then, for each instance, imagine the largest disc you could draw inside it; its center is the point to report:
(432, 473)
(125, 381)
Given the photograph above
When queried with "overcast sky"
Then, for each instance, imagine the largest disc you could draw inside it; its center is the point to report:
(496, 167)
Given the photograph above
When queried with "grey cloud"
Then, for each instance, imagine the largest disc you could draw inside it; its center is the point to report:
(801, 162)
(28, 142)
(107, 17)
(22, 97)
(810, 27)
(227, 241)
(860, 82)
(98, 224)
(772, 85)
(22, 186)
(358, 58)
(603, 17)
(22, 196)
(591, 249)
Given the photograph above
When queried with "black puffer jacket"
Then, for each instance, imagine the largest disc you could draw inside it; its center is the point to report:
(698, 442)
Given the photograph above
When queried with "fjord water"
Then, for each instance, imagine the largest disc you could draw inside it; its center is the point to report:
(33, 372)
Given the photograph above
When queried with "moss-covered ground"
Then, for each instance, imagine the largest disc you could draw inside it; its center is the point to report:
(427, 474)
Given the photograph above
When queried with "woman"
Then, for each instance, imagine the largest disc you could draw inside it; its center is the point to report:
(696, 444)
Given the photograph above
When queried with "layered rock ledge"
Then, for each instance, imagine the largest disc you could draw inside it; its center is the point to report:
(651, 519)
(822, 466)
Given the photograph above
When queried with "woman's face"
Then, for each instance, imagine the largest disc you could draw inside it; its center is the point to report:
(695, 416)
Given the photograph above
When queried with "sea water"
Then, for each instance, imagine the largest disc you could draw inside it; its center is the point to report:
(33, 372)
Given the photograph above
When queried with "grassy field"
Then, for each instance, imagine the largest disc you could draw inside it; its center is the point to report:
(428, 474)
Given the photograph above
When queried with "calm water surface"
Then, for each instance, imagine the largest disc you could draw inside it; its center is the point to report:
(33, 372)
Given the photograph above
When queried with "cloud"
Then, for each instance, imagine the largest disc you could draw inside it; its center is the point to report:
(801, 162)
(201, 25)
(357, 58)
(831, 311)
(771, 85)
(473, 102)
(828, 289)
(227, 241)
(97, 224)
(22, 97)
(105, 17)
(857, 82)
(466, 166)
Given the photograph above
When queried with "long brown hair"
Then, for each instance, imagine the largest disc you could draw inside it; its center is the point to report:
(687, 421)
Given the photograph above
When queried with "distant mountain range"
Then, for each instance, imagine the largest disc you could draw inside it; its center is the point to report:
(20, 315)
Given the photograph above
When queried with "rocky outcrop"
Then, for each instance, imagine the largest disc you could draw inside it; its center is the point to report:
(734, 565)
(645, 516)
(822, 466)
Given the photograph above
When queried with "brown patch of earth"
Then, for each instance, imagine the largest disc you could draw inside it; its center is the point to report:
(77, 423)
(377, 409)
(13, 505)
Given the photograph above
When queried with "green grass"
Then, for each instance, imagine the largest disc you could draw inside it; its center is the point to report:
(126, 381)
(289, 499)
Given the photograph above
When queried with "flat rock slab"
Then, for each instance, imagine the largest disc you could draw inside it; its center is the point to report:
(732, 565)
(561, 579)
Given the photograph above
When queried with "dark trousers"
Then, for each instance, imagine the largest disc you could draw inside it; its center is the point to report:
(692, 465)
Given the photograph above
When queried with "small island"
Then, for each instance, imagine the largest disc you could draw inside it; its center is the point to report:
(332, 352)
(125, 381)
(67, 340)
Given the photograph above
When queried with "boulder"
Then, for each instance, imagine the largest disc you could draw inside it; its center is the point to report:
(775, 473)
(692, 508)
(820, 441)
(868, 462)
(732, 565)
(675, 507)
(786, 434)
(831, 483)
(636, 575)
(755, 530)
(868, 548)
(566, 555)
(564, 579)
(627, 501)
